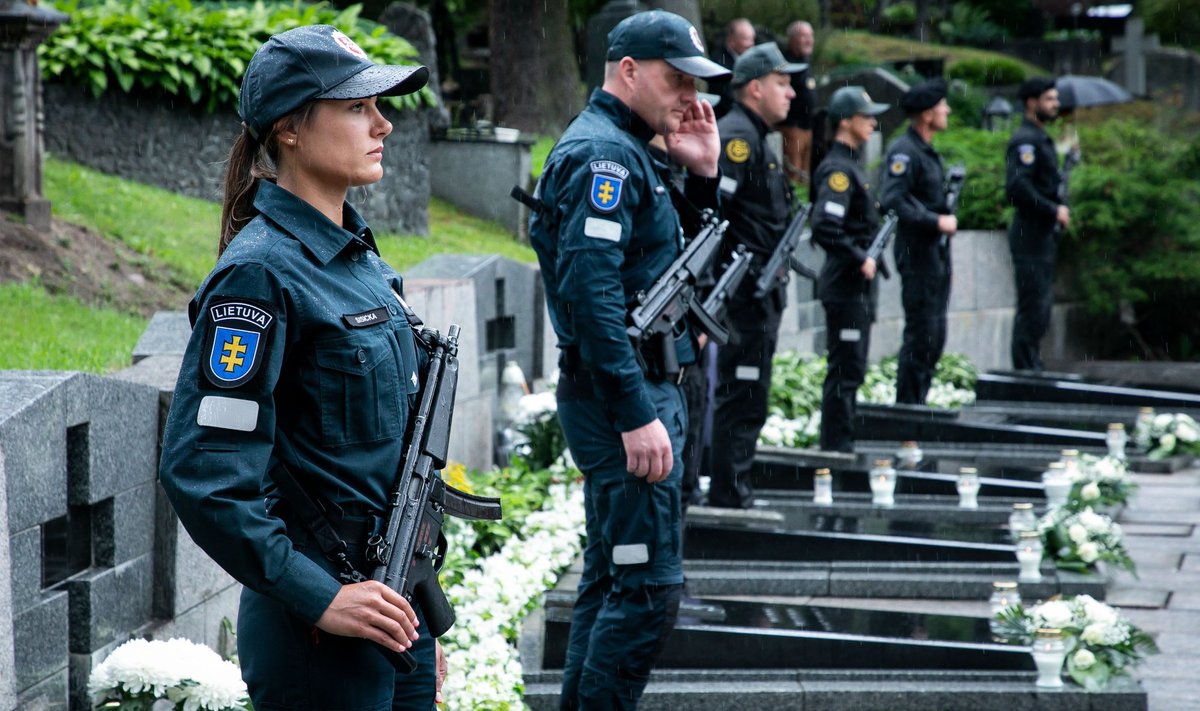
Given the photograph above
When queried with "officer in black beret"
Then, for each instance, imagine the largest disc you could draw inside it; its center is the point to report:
(913, 186)
(1032, 181)
(845, 218)
(756, 197)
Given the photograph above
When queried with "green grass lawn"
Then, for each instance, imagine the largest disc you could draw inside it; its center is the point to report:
(46, 331)
(869, 48)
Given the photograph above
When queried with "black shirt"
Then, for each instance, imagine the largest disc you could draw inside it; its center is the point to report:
(913, 185)
(755, 193)
(845, 219)
(800, 115)
(1031, 182)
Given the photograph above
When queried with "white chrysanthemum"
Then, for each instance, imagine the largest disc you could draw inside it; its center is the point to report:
(1055, 613)
(534, 408)
(177, 669)
(1094, 522)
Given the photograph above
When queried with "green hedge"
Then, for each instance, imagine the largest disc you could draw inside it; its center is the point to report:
(193, 51)
(987, 72)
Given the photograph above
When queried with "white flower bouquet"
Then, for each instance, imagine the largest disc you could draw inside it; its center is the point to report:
(1077, 540)
(539, 439)
(779, 431)
(1168, 434)
(190, 676)
(1099, 482)
(1100, 642)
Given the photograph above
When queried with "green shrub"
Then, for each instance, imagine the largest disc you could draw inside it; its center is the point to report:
(987, 72)
(969, 25)
(197, 52)
(966, 105)
(983, 205)
(1176, 21)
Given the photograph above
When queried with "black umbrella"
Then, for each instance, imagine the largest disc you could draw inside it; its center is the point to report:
(1077, 92)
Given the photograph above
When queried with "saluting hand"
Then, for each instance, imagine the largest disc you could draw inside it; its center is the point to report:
(373, 611)
(696, 145)
(648, 452)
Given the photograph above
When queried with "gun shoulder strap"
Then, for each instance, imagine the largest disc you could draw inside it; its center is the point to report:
(314, 520)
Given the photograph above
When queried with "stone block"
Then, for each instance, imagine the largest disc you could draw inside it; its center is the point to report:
(26, 550)
(33, 437)
(167, 334)
(133, 523)
(49, 694)
(8, 672)
(109, 604)
(476, 174)
(185, 576)
(40, 637)
(122, 435)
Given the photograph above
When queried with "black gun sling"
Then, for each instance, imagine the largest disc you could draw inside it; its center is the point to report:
(314, 520)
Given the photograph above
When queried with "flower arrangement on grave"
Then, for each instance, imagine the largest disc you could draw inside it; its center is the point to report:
(1099, 482)
(1077, 540)
(1167, 434)
(801, 432)
(190, 676)
(1101, 643)
(540, 436)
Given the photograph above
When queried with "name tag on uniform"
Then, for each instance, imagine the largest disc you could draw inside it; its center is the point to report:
(835, 209)
(746, 372)
(630, 554)
(850, 335)
(728, 185)
(602, 229)
(367, 318)
(227, 413)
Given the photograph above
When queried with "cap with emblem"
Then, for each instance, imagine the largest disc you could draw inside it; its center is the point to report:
(658, 34)
(1035, 87)
(315, 62)
(923, 96)
(761, 60)
(851, 101)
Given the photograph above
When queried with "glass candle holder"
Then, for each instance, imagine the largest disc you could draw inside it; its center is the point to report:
(1116, 439)
(1021, 519)
(1145, 417)
(823, 487)
(1029, 555)
(1070, 462)
(968, 488)
(1057, 483)
(883, 483)
(1049, 651)
(1004, 596)
(909, 455)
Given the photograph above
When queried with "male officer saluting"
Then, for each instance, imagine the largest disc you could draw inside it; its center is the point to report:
(756, 196)
(845, 218)
(913, 186)
(607, 230)
(1031, 182)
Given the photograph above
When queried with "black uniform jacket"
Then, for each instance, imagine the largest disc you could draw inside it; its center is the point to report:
(845, 219)
(755, 193)
(1032, 182)
(913, 186)
(805, 85)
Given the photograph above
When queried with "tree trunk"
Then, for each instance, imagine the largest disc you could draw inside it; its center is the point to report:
(534, 76)
(921, 31)
(687, 9)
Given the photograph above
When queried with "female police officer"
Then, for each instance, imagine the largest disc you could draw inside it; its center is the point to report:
(302, 358)
(844, 220)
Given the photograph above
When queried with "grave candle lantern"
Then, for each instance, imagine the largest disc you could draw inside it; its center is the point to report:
(1116, 440)
(1057, 482)
(968, 488)
(1049, 652)
(1029, 555)
(883, 483)
(822, 488)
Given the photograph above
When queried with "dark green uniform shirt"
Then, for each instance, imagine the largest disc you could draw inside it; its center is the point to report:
(298, 334)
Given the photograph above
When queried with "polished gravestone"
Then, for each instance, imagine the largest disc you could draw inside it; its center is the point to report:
(725, 655)
(926, 424)
(1063, 388)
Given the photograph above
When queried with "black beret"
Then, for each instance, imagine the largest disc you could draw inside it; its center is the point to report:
(1035, 87)
(923, 96)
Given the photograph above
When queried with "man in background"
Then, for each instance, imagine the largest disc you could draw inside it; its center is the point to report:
(739, 37)
(797, 127)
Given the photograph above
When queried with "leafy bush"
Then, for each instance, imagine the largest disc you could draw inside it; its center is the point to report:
(193, 51)
(1176, 21)
(983, 205)
(987, 72)
(900, 17)
(966, 105)
(969, 25)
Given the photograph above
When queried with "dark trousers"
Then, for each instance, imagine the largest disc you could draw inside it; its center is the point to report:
(848, 339)
(1035, 299)
(628, 595)
(926, 297)
(289, 665)
(695, 452)
(743, 389)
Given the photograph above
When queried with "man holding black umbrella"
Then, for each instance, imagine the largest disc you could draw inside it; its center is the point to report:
(1032, 182)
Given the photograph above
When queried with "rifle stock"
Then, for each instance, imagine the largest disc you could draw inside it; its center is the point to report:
(411, 549)
(776, 270)
(880, 243)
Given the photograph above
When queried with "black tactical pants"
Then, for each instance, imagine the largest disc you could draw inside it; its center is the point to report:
(695, 453)
(1035, 299)
(926, 297)
(848, 339)
(743, 387)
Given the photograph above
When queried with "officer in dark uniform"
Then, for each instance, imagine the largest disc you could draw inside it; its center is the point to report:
(913, 186)
(302, 357)
(845, 219)
(739, 37)
(1032, 181)
(757, 199)
(607, 231)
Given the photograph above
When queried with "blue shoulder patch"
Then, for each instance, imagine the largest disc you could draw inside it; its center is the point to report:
(607, 180)
(236, 334)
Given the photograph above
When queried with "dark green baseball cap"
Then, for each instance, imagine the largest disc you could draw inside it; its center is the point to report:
(315, 62)
(657, 34)
(853, 100)
(761, 60)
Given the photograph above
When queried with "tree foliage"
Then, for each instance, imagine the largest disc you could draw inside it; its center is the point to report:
(1175, 21)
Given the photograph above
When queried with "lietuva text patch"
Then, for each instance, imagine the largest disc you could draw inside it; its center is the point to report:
(237, 330)
(367, 318)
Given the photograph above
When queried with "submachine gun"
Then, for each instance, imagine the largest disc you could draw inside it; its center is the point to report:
(956, 178)
(880, 243)
(782, 260)
(1073, 157)
(727, 285)
(410, 550)
(673, 295)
